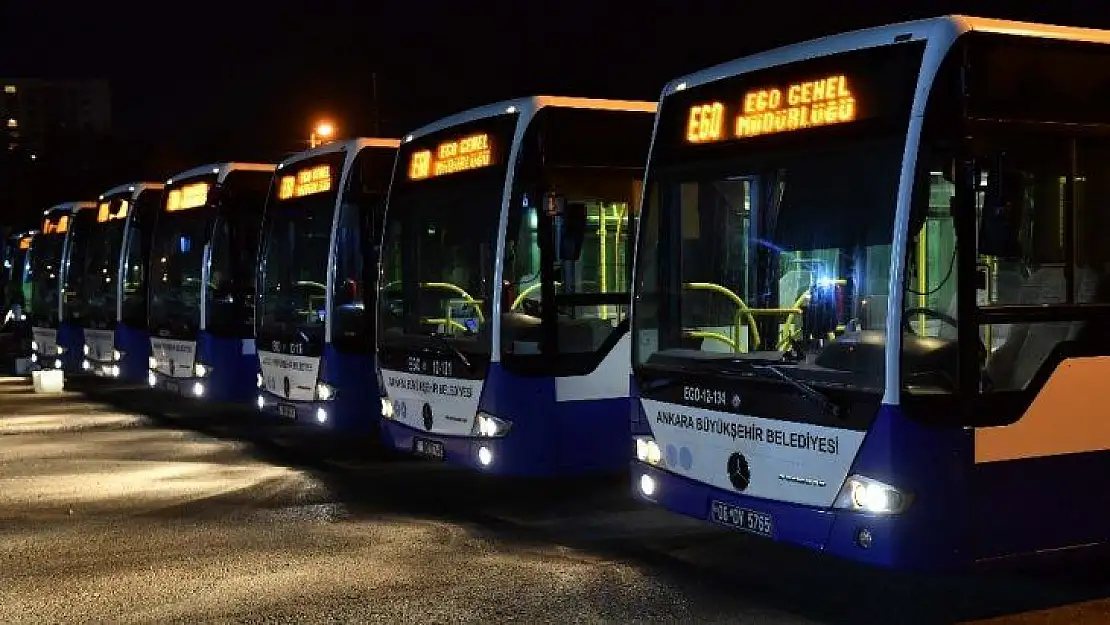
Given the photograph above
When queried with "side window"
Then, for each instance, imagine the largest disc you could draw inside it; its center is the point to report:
(220, 289)
(929, 303)
(1042, 205)
(348, 311)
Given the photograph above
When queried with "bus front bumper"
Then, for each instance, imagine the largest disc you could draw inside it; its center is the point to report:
(894, 542)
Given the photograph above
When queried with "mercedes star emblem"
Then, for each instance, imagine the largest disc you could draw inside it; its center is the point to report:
(428, 417)
(739, 473)
(286, 384)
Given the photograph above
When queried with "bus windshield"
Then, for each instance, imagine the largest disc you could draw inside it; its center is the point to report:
(295, 246)
(46, 257)
(768, 227)
(176, 264)
(97, 291)
(439, 244)
(441, 235)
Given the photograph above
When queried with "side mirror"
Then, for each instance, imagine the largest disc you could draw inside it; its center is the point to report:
(573, 232)
(1000, 222)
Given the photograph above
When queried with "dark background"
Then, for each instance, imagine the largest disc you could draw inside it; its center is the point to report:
(199, 82)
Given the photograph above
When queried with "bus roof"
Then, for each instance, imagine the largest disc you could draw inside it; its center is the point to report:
(336, 146)
(946, 28)
(69, 207)
(134, 188)
(527, 107)
(221, 170)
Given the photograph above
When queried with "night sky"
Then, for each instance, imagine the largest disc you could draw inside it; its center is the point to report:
(206, 85)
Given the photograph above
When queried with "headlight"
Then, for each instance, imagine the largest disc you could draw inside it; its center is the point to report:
(35, 348)
(200, 370)
(387, 408)
(863, 494)
(259, 380)
(324, 392)
(58, 349)
(647, 450)
(85, 349)
(490, 426)
(117, 355)
(152, 363)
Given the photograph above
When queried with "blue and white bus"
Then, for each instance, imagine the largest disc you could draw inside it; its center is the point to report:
(45, 274)
(870, 307)
(117, 344)
(502, 314)
(201, 282)
(316, 284)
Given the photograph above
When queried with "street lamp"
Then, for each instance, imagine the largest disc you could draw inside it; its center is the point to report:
(321, 133)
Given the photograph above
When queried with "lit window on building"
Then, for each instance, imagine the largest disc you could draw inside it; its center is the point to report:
(9, 88)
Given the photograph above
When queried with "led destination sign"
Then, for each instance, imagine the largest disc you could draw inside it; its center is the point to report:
(773, 109)
(449, 157)
(56, 226)
(104, 211)
(187, 196)
(308, 181)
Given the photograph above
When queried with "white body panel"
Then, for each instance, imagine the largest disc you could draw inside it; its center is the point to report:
(100, 344)
(289, 377)
(175, 358)
(794, 462)
(47, 341)
(452, 402)
(608, 381)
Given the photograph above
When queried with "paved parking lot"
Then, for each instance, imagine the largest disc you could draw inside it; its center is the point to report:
(124, 507)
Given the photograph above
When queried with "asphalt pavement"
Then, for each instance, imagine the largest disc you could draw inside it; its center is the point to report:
(121, 506)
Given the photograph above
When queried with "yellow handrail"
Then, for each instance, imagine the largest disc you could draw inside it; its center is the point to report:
(717, 336)
(528, 291)
(441, 321)
(447, 286)
(740, 314)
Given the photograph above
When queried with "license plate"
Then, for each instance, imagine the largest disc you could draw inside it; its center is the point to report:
(287, 411)
(173, 387)
(741, 518)
(425, 447)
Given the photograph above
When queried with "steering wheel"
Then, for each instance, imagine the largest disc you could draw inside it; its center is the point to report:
(946, 319)
(928, 312)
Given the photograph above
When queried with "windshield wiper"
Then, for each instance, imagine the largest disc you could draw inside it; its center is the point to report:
(441, 338)
(806, 390)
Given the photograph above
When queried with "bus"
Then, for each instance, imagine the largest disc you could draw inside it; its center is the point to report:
(316, 281)
(114, 282)
(44, 277)
(16, 253)
(505, 286)
(201, 282)
(869, 303)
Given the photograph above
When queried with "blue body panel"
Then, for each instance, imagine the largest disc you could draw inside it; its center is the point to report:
(72, 338)
(134, 345)
(233, 372)
(356, 407)
(547, 438)
(1037, 504)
